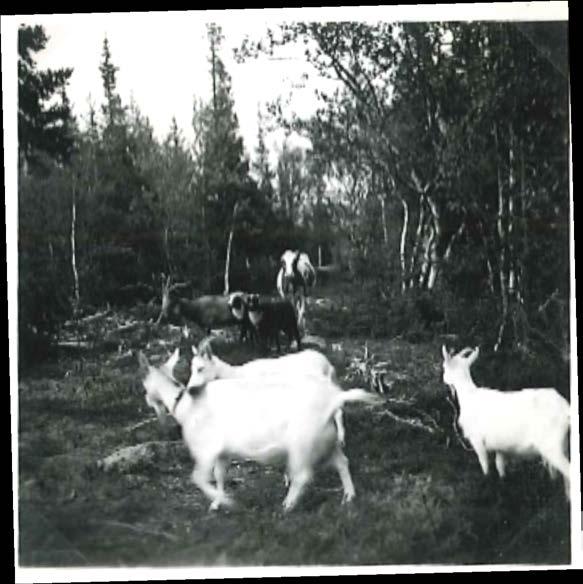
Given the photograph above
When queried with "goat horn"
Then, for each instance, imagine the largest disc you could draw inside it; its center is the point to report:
(465, 352)
(205, 346)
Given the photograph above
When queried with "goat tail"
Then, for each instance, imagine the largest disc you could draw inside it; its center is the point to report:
(353, 395)
(361, 395)
(280, 283)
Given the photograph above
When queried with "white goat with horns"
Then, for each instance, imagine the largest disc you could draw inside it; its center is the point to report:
(525, 423)
(265, 419)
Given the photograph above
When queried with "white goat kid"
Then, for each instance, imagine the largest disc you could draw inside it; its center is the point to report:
(263, 419)
(525, 423)
(308, 362)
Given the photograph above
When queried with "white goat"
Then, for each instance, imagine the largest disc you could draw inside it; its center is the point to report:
(308, 361)
(263, 419)
(166, 369)
(525, 423)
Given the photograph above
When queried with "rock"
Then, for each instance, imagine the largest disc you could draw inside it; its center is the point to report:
(133, 458)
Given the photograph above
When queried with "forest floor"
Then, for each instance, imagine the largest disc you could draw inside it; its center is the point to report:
(421, 497)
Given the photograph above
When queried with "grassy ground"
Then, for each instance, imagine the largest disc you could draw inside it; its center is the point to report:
(421, 498)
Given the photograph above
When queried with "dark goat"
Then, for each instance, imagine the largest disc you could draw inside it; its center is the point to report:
(206, 311)
(269, 316)
(238, 304)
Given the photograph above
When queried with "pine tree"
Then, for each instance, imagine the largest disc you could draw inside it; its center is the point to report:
(261, 165)
(45, 122)
(112, 109)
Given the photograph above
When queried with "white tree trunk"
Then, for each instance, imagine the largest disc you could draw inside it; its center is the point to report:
(510, 218)
(403, 243)
(418, 237)
(167, 246)
(454, 238)
(434, 259)
(502, 246)
(384, 220)
(429, 238)
(229, 247)
(73, 246)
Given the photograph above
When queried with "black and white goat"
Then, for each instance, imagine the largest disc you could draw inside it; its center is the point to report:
(295, 279)
(295, 273)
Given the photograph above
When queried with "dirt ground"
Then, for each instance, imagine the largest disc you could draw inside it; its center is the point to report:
(421, 497)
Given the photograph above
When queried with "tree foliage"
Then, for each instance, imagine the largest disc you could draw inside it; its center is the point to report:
(437, 172)
(44, 113)
(447, 148)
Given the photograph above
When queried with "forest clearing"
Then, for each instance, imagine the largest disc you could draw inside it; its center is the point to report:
(421, 497)
(417, 216)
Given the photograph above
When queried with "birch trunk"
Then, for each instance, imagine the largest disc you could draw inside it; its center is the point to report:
(430, 236)
(403, 243)
(454, 238)
(229, 247)
(418, 236)
(167, 247)
(384, 221)
(73, 246)
(434, 259)
(502, 251)
(510, 217)
(489, 267)
(206, 243)
(523, 224)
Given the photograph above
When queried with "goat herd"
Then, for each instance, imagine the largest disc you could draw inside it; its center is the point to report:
(260, 317)
(288, 409)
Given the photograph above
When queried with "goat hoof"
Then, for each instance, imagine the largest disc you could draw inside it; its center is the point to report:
(224, 501)
(348, 498)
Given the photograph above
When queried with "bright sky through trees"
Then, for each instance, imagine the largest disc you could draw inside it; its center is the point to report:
(163, 65)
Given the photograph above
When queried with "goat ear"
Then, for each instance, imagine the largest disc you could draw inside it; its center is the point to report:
(445, 353)
(173, 359)
(185, 332)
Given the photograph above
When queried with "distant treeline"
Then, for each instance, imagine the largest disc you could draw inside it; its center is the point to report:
(439, 169)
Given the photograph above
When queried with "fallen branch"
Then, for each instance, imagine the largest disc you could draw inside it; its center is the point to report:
(414, 422)
(137, 529)
(141, 424)
(74, 344)
(92, 317)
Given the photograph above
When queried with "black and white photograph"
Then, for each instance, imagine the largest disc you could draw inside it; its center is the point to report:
(291, 289)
